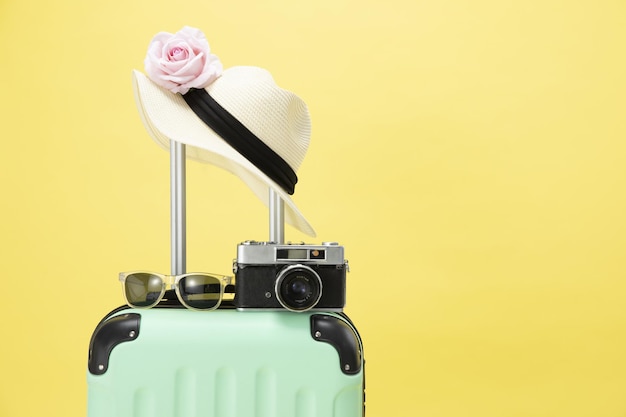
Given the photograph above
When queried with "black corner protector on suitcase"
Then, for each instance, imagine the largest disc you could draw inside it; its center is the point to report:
(108, 334)
(342, 337)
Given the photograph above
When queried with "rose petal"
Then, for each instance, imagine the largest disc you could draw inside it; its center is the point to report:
(211, 71)
(178, 54)
(189, 32)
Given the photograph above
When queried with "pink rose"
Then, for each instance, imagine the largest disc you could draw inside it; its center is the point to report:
(182, 61)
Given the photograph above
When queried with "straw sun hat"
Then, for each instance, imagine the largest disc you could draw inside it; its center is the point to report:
(237, 119)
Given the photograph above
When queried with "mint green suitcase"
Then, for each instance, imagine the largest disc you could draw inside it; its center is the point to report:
(169, 361)
(173, 362)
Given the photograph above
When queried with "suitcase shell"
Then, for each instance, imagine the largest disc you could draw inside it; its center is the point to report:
(176, 362)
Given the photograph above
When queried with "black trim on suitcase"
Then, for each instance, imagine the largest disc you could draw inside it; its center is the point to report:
(342, 337)
(110, 333)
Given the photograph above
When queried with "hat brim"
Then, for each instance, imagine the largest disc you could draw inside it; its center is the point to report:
(167, 117)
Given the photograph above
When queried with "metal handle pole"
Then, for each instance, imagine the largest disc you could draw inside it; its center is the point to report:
(277, 218)
(178, 206)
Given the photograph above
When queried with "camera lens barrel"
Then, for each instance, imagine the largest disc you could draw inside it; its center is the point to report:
(298, 288)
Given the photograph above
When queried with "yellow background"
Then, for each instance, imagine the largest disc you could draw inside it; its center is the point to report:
(469, 154)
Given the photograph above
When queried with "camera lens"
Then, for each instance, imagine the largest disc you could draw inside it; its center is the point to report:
(298, 288)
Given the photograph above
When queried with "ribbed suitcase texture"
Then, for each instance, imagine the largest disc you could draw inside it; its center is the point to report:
(171, 362)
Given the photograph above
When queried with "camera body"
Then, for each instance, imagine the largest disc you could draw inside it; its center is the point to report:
(296, 277)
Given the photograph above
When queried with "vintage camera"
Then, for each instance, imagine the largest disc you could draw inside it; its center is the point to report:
(296, 277)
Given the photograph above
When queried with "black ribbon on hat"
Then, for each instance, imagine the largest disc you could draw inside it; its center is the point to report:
(241, 138)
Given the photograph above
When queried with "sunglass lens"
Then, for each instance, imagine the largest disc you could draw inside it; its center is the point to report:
(143, 289)
(200, 291)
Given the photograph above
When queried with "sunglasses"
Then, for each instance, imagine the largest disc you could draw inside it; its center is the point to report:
(197, 291)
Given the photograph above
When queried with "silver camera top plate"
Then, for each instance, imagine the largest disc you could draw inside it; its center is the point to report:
(269, 253)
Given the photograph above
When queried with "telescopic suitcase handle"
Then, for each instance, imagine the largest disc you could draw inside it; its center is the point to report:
(178, 216)
(277, 217)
